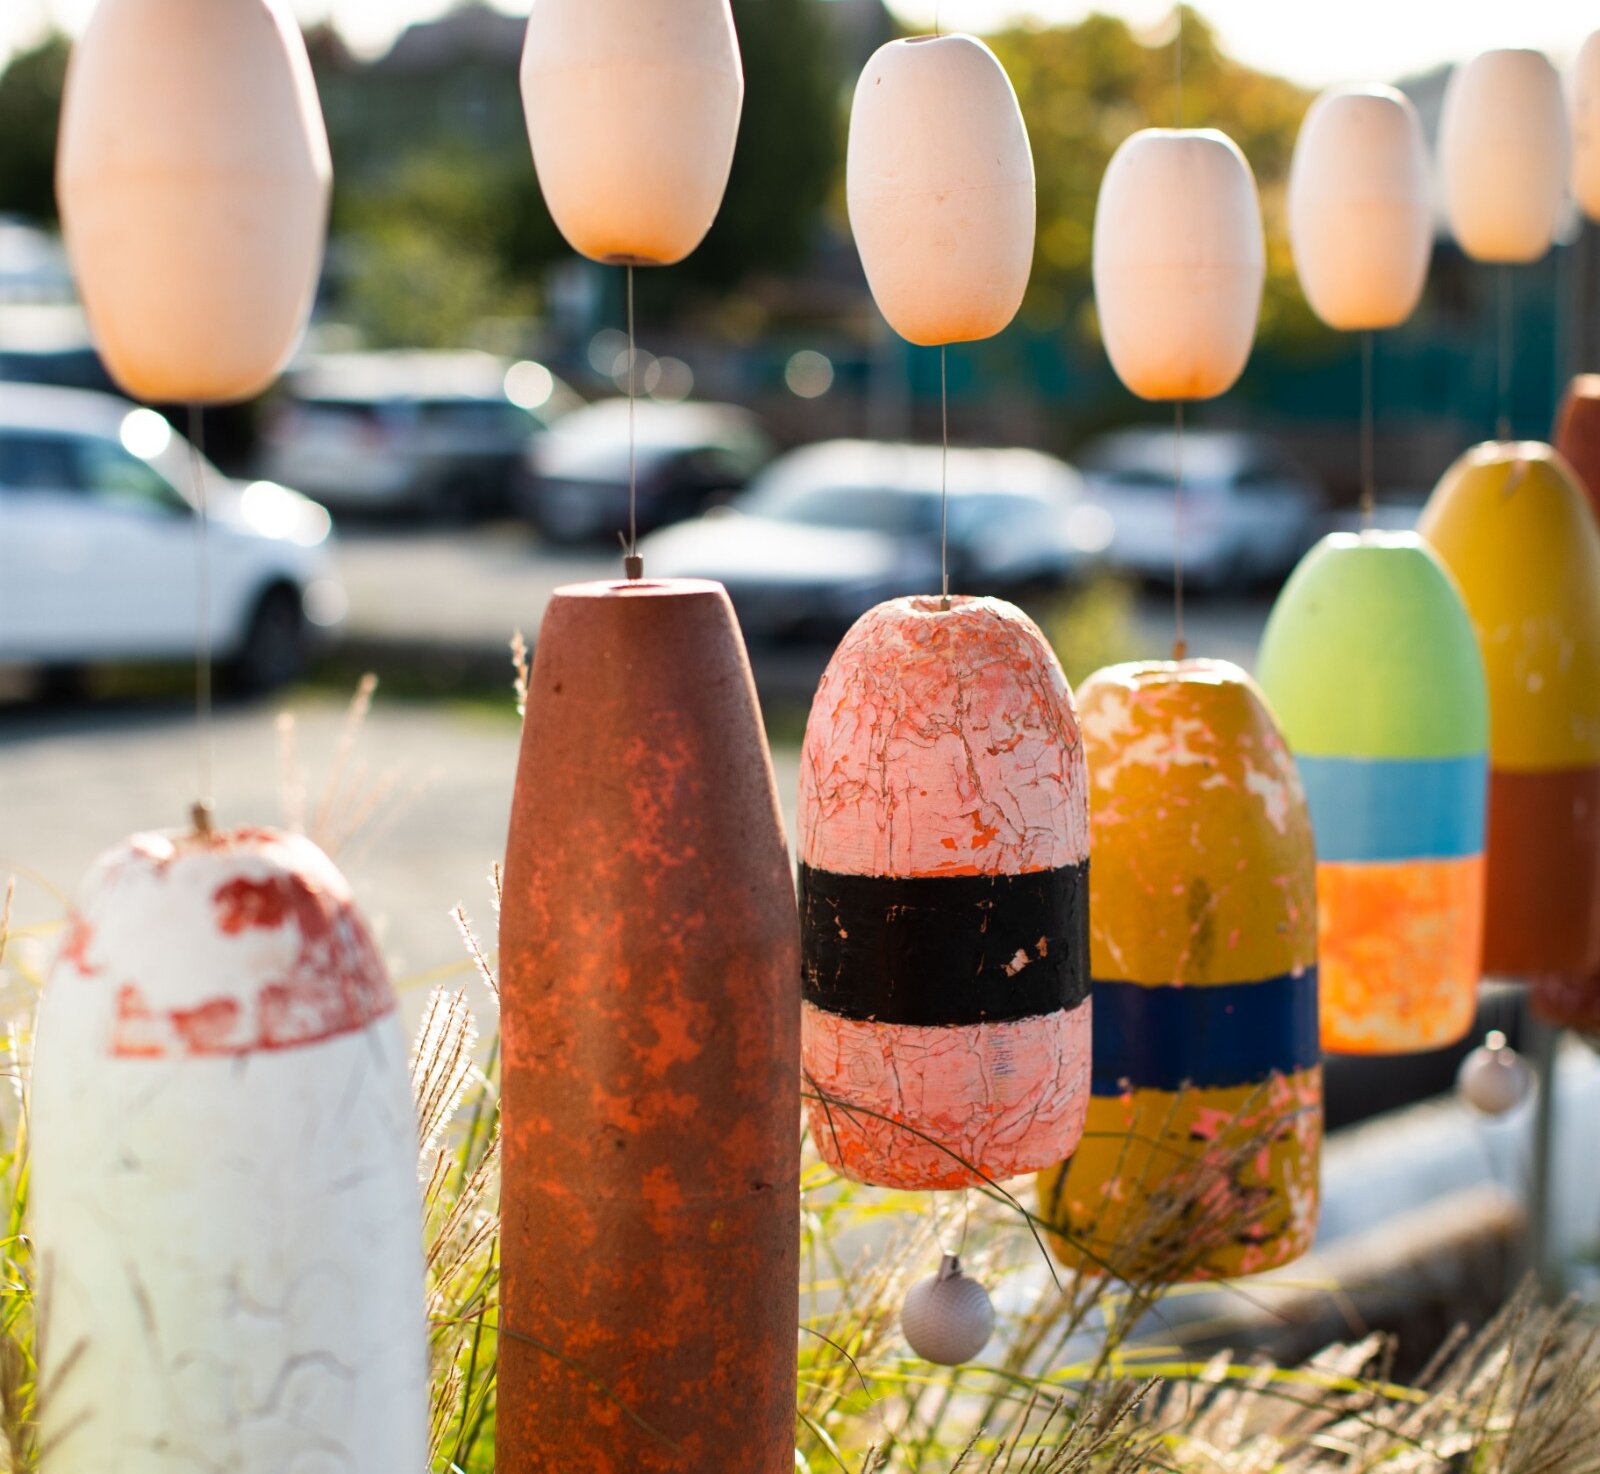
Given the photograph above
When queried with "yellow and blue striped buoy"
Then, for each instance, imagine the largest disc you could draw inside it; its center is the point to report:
(1372, 669)
(1199, 1159)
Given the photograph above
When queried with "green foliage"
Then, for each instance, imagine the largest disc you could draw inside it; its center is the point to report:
(30, 101)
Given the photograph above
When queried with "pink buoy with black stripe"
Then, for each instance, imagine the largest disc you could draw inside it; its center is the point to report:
(944, 842)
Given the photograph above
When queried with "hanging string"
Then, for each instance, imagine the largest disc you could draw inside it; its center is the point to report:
(1180, 646)
(944, 480)
(1369, 489)
(203, 703)
(1503, 420)
(632, 563)
(934, 1200)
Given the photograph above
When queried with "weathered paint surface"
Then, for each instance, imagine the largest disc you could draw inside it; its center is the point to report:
(224, 1190)
(1203, 876)
(1372, 668)
(649, 959)
(1512, 524)
(943, 744)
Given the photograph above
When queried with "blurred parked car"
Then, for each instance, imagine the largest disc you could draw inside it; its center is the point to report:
(441, 434)
(1248, 511)
(832, 529)
(97, 546)
(686, 455)
(49, 344)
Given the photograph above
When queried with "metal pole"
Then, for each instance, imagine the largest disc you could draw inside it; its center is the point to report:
(1543, 1046)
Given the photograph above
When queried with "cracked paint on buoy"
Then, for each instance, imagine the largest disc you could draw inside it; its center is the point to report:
(224, 1197)
(1371, 666)
(1207, 1075)
(944, 844)
(651, 1197)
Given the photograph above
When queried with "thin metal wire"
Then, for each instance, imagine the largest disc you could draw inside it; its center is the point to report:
(203, 701)
(633, 449)
(1369, 489)
(1180, 645)
(944, 480)
(1503, 388)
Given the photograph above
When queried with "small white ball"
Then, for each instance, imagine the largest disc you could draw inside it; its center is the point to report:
(1494, 1078)
(947, 1318)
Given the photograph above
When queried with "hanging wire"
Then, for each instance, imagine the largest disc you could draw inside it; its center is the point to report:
(1180, 645)
(1369, 489)
(935, 1201)
(1503, 396)
(203, 702)
(632, 563)
(944, 480)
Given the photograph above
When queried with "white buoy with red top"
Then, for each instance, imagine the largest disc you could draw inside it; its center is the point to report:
(224, 1199)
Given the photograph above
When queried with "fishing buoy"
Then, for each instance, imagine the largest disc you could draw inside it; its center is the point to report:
(1510, 522)
(1200, 1156)
(947, 1318)
(193, 176)
(632, 112)
(1577, 434)
(1360, 208)
(1494, 1078)
(941, 188)
(1503, 151)
(224, 1198)
(649, 953)
(944, 850)
(1179, 262)
(1584, 117)
(1371, 666)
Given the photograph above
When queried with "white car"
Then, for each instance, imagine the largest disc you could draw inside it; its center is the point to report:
(1248, 512)
(97, 546)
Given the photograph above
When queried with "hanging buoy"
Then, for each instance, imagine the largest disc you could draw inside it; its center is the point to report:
(1510, 522)
(193, 177)
(1200, 1156)
(1577, 434)
(1584, 117)
(224, 1198)
(1179, 262)
(949, 1317)
(941, 188)
(1360, 207)
(1371, 667)
(649, 953)
(632, 112)
(1494, 1078)
(1503, 151)
(943, 890)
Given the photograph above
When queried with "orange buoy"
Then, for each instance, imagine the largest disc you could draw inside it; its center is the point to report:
(1511, 523)
(651, 1100)
(193, 175)
(943, 894)
(1200, 1156)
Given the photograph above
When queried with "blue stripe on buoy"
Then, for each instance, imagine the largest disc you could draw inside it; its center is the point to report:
(1210, 1036)
(1377, 809)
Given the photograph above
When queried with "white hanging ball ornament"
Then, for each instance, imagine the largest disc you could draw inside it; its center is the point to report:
(1494, 1078)
(941, 189)
(193, 175)
(1503, 150)
(1583, 101)
(1360, 212)
(1179, 263)
(948, 1317)
(633, 112)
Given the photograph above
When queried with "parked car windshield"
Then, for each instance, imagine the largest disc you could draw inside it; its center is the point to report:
(870, 509)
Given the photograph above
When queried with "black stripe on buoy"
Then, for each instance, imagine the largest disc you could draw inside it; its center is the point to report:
(945, 949)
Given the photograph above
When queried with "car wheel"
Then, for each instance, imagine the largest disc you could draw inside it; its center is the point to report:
(275, 649)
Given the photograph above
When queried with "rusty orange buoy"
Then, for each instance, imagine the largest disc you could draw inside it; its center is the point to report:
(649, 955)
(1200, 1156)
(943, 895)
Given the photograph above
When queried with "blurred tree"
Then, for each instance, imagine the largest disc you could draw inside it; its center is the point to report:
(30, 101)
(1085, 88)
